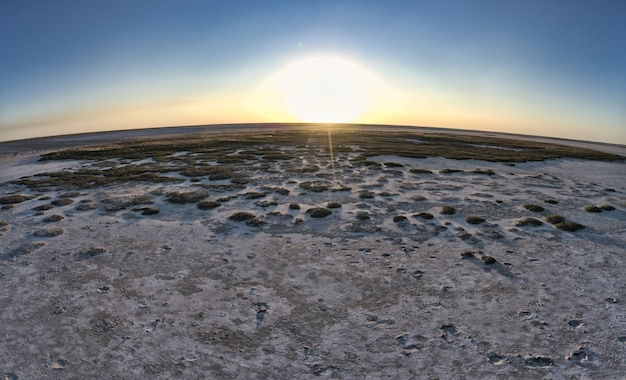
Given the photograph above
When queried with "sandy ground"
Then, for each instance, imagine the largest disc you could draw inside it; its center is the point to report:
(106, 292)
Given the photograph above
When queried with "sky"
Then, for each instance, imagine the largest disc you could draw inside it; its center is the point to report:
(552, 68)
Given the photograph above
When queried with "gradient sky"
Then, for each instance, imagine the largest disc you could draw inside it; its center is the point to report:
(540, 67)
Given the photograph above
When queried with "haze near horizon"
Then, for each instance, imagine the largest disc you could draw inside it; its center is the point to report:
(538, 68)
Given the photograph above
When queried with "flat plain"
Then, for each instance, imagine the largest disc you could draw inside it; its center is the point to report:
(295, 251)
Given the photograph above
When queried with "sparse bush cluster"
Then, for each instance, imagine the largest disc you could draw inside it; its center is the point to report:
(559, 222)
(424, 215)
(315, 186)
(208, 205)
(318, 212)
(186, 197)
(529, 222)
(473, 219)
(593, 208)
(448, 210)
(333, 205)
(533, 207)
(13, 199)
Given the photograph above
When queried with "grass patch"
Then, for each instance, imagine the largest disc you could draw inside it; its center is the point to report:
(450, 171)
(592, 208)
(569, 226)
(481, 171)
(48, 232)
(242, 216)
(315, 186)
(393, 165)
(533, 208)
(448, 210)
(86, 206)
(121, 203)
(208, 205)
(362, 215)
(13, 199)
(53, 218)
(147, 210)
(473, 219)
(318, 212)
(43, 207)
(254, 195)
(529, 222)
(333, 205)
(62, 202)
(420, 171)
(424, 215)
(187, 197)
(366, 194)
(555, 219)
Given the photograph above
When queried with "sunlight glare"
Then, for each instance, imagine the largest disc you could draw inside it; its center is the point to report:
(324, 89)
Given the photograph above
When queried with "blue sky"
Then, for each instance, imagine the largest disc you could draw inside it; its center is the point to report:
(551, 68)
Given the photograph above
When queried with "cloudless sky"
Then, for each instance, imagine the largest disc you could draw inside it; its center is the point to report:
(540, 67)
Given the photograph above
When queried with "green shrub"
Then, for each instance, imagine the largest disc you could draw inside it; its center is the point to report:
(472, 219)
(207, 205)
(333, 205)
(318, 212)
(448, 210)
(294, 206)
(607, 208)
(551, 201)
(529, 222)
(533, 207)
(555, 219)
(569, 226)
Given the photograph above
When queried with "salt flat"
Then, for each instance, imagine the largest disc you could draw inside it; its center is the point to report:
(173, 259)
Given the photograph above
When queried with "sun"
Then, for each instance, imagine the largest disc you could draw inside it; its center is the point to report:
(324, 89)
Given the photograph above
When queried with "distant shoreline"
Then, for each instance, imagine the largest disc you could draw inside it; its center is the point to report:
(40, 145)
